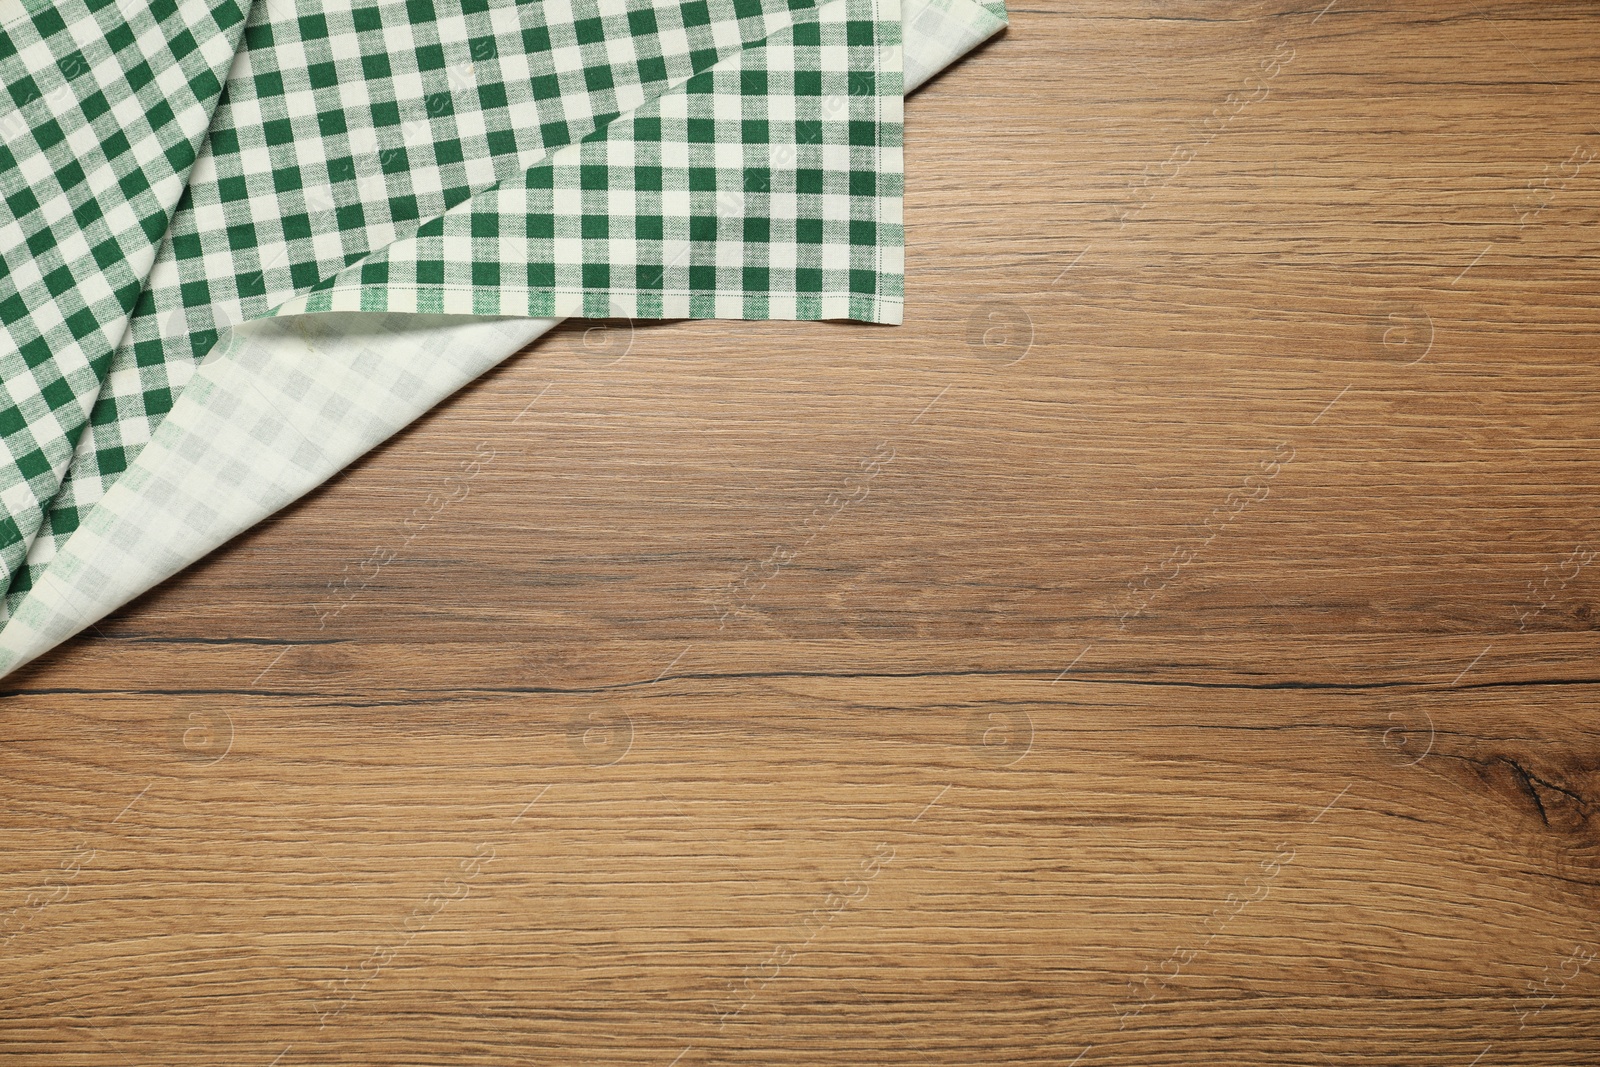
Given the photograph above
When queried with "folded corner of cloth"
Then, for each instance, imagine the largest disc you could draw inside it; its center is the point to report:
(242, 243)
(939, 32)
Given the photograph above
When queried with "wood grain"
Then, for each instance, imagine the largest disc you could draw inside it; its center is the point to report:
(1175, 645)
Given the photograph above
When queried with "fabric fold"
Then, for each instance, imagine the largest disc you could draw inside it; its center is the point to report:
(103, 112)
(366, 157)
(284, 402)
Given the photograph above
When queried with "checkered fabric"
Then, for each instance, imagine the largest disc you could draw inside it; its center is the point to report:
(714, 158)
(286, 399)
(765, 187)
(104, 109)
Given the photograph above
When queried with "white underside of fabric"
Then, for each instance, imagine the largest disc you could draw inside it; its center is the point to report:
(283, 404)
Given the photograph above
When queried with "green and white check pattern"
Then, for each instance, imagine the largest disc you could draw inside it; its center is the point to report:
(709, 158)
(103, 111)
(715, 158)
(767, 186)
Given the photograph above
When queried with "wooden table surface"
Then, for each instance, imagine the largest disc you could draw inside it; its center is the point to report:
(1175, 645)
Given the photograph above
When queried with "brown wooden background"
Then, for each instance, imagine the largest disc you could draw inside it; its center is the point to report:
(1175, 645)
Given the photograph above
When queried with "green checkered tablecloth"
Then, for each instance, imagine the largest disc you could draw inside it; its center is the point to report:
(304, 211)
(107, 111)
